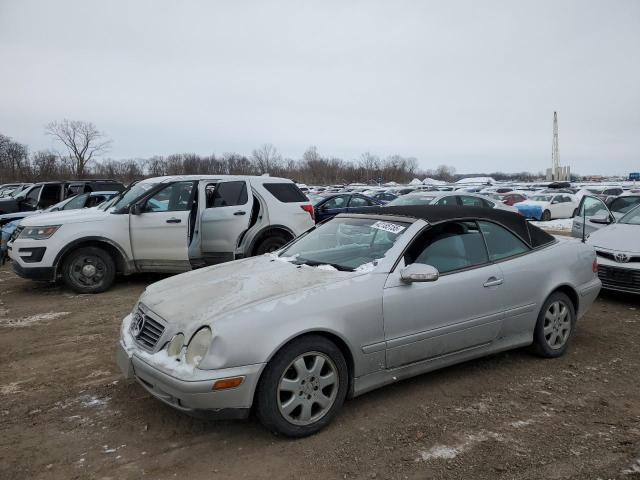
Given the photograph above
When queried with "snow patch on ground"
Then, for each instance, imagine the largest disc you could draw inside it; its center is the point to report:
(521, 423)
(633, 468)
(91, 401)
(561, 224)
(13, 387)
(28, 321)
(447, 452)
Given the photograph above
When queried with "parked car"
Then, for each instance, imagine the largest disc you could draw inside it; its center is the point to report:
(9, 189)
(10, 221)
(461, 199)
(163, 224)
(548, 206)
(332, 205)
(42, 195)
(359, 302)
(512, 198)
(618, 248)
(598, 214)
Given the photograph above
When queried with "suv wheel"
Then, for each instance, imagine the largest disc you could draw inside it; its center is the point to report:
(554, 327)
(302, 387)
(271, 244)
(88, 270)
(546, 216)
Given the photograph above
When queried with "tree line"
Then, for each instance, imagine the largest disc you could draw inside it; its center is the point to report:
(82, 143)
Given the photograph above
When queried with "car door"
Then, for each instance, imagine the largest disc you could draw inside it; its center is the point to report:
(332, 207)
(589, 208)
(459, 311)
(224, 219)
(522, 271)
(160, 232)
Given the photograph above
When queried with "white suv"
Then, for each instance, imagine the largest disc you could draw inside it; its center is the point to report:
(162, 224)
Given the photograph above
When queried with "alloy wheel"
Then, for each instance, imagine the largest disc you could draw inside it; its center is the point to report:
(557, 325)
(308, 388)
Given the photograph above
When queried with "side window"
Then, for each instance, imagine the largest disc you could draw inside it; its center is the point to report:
(472, 201)
(76, 202)
(32, 196)
(501, 242)
(449, 247)
(226, 194)
(173, 198)
(336, 202)
(50, 195)
(286, 192)
(358, 202)
(592, 207)
(624, 204)
(448, 200)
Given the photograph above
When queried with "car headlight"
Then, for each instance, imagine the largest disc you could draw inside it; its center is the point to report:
(39, 233)
(175, 345)
(198, 346)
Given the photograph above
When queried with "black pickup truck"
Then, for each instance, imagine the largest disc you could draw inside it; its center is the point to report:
(43, 195)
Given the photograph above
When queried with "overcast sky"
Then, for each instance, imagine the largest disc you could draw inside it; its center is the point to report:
(472, 84)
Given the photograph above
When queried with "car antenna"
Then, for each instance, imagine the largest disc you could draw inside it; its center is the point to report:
(584, 223)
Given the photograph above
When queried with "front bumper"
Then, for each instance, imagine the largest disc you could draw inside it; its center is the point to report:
(195, 397)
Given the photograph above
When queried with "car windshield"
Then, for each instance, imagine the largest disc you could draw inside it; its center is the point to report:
(541, 198)
(135, 192)
(412, 200)
(345, 244)
(631, 218)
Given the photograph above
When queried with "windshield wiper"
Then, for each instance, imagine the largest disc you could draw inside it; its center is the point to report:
(315, 263)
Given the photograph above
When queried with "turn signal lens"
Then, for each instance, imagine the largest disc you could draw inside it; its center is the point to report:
(226, 383)
(594, 266)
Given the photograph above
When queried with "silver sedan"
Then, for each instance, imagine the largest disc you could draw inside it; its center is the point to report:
(354, 304)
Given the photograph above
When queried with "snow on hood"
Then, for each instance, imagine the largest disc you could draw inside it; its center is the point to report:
(619, 236)
(65, 217)
(203, 295)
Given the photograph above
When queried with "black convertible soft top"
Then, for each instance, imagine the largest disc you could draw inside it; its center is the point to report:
(433, 214)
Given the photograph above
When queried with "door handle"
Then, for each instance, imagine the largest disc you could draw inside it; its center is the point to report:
(492, 282)
(239, 212)
(174, 220)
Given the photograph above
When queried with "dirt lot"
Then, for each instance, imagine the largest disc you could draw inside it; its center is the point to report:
(66, 412)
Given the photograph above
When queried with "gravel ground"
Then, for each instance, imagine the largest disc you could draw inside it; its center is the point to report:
(67, 413)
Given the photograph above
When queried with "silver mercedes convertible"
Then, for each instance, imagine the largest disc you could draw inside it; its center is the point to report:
(355, 303)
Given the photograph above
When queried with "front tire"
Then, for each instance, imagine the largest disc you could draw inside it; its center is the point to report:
(546, 216)
(302, 387)
(88, 270)
(555, 325)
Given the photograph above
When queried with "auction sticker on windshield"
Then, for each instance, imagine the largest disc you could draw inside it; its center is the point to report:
(388, 227)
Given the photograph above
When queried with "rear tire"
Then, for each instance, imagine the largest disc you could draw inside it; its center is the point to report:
(546, 216)
(302, 387)
(271, 244)
(555, 326)
(88, 270)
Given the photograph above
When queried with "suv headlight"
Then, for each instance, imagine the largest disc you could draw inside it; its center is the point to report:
(198, 346)
(39, 233)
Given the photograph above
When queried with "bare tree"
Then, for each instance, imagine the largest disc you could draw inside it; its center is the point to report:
(82, 140)
(266, 158)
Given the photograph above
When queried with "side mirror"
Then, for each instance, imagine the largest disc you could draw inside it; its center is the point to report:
(419, 272)
(135, 209)
(600, 220)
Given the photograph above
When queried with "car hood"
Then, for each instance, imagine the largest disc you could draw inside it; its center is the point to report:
(619, 236)
(201, 296)
(66, 217)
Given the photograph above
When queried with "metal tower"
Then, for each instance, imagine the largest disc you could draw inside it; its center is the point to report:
(555, 153)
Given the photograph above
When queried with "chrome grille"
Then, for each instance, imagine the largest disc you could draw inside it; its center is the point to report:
(623, 279)
(612, 256)
(146, 330)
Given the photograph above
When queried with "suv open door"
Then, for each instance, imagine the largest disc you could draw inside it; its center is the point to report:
(592, 214)
(225, 216)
